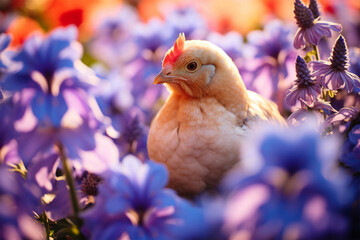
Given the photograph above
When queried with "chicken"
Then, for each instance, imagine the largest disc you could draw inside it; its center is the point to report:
(197, 133)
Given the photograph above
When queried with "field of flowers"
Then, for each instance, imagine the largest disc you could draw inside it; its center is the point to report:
(77, 99)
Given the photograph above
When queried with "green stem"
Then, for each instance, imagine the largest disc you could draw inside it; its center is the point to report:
(317, 54)
(46, 225)
(70, 182)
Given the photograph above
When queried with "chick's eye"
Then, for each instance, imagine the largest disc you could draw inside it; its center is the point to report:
(192, 66)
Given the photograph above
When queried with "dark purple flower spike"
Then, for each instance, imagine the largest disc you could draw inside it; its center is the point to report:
(311, 29)
(333, 74)
(305, 87)
(313, 6)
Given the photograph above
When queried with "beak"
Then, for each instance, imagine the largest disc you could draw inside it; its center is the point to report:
(165, 76)
(162, 78)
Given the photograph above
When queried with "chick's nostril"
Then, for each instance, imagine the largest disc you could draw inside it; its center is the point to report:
(167, 73)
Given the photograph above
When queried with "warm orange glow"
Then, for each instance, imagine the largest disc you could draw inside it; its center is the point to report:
(223, 16)
(21, 28)
(79, 13)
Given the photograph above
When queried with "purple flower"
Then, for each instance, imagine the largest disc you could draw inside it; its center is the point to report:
(317, 111)
(188, 21)
(232, 43)
(133, 137)
(4, 43)
(350, 156)
(155, 35)
(354, 66)
(7, 131)
(4, 61)
(305, 87)
(94, 151)
(345, 114)
(49, 89)
(269, 64)
(133, 203)
(112, 42)
(114, 94)
(50, 71)
(128, 128)
(310, 30)
(57, 203)
(153, 39)
(354, 56)
(136, 48)
(18, 200)
(333, 74)
(290, 189)
(89, 184)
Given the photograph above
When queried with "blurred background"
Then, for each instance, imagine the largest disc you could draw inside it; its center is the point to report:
(22, 17)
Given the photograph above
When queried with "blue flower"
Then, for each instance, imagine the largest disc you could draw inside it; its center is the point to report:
(310, 30)
(18, 200)
(133, 203)
(49, 87)
(333, 74)
(49, 69)
(291, 188)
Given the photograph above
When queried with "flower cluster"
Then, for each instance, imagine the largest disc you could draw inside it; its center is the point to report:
(132, 203)
(318, 81)
(293, 190)
(327, 88)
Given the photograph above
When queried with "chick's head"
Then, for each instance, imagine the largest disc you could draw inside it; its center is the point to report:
(197, 68)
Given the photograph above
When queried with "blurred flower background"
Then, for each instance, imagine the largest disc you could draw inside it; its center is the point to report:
(77, 99)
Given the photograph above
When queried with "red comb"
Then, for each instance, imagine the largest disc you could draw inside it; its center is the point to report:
(175, 51)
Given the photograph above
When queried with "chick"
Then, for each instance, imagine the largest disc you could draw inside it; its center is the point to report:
(198, 131)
